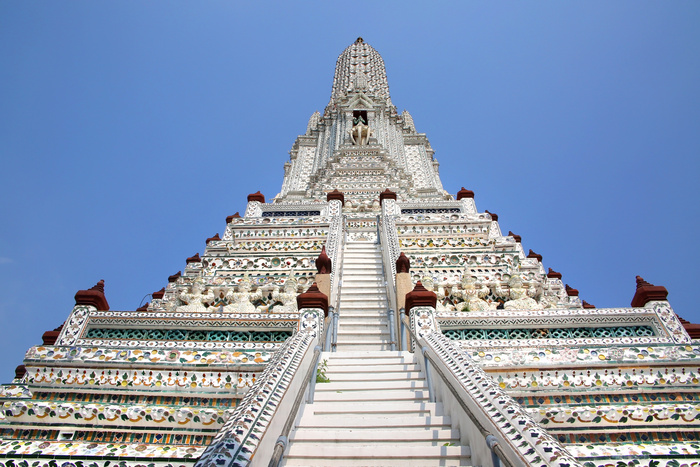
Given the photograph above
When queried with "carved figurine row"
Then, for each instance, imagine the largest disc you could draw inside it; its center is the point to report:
(242, 300)
(471, 294)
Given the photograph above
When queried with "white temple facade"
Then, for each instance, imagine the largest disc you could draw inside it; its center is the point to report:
(362, 316)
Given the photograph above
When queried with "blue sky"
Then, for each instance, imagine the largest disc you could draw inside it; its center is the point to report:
(130, 130)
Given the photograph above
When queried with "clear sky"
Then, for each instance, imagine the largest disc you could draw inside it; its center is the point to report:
(130, 130)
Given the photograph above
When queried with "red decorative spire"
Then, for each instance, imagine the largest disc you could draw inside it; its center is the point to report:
(647, 292)
(552, 274)
(193, 259)
(403, 264)
(313, 298)
(94, 296)
(143, 308)
(335, 194)
(464, 193)
(158, 295)
(230, 218)
(50, 337)
(517, 238)
(323, 262)
(20, 371)
(532, 254)
(215, 238)
(420, 296)
(257, 196)
(570, 291)
(494, 216)
(587, 305)
(386, 194)
(175, 277)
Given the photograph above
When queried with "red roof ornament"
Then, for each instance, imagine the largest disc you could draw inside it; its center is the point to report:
(193, 259)
(335, 194)
(313, 298)
(20, 371)
(50, 337)
(494, 216)
(143, 308)
(158, 295)
(257, 196)
(464, 193)
(570, 291)
(532, 254)
(587, 305)
(517, 238)
(234, 216)
(386, 194)
(647, 292)
(94, 296)
(552, 274)
(403, 264)
(420, 296)
(175, 277)
(215, 238)
(323, 262)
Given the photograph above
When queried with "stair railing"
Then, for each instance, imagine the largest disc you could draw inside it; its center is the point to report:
(310, 379)
(506, 432)
(385, 246)
(336, 282)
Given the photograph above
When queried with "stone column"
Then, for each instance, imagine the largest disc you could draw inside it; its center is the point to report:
(403, 280)
(323, 276)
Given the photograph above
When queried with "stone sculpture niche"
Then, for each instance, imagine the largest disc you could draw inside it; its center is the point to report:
(243, 300)
(197, 300)
(519, 296)
(360, 131)
(286, 300)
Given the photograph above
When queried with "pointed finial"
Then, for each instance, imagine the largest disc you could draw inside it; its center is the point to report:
(570, 291)
(494, 216)
(647, 292)
(420, 296)
(464, 193)
(532, 254)
(323, 262)
(313, 298)
(403, 264)
(230, 218)
(359, 40)
(193, 259)
(552, 274)
(517, 238)
(94, 296)
(587, 305)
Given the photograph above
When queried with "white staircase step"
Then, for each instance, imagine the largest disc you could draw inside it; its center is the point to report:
(376, 435)
(377, 386)
(359, 454)
(355, 346)
(375, 407)
(370, 369)
(393, 376)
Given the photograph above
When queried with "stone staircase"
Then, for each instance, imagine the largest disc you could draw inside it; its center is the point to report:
(375, 411)
(362, 322)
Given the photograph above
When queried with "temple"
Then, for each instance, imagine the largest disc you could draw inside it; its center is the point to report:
(361, 316)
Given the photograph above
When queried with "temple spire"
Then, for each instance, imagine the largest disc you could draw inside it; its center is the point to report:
(360, 68)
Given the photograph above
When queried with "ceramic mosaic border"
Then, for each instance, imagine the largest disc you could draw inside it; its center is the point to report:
(580, 354)
(85, 450)
(83, 316)
(678, 378)
(676, 415)
(47, 413)
(76, 378)
(229, 360)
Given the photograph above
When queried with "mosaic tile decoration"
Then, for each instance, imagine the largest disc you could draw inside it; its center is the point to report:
(103, 436)
(158, 358)
(188, 335)
(549, 333)
(583, 353)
